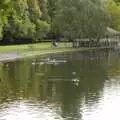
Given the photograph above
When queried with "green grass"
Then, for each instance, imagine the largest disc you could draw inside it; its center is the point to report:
(44, 48)
(20, 48)
(29, 47)
(31, 50)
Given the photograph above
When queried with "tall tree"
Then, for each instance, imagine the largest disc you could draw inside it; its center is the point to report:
(5, 7)
(22, 19)
(44, 10)
(80, 18)
(117, 1)
(113, 9)
(52, 8)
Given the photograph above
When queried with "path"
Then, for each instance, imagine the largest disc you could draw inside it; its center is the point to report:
(8, 56)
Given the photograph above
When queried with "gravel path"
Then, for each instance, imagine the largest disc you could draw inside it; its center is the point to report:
(9, 56)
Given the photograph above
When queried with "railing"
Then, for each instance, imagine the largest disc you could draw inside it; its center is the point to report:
(104, 42)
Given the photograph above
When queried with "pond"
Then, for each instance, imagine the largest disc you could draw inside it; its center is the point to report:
(70, 86)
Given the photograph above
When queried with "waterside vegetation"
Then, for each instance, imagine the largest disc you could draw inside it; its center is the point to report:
(25, 21)
(31, 23)
(14, 52)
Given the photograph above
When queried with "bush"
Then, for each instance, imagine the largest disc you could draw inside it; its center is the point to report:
(42, 28)
(17, 28)
(25, 28)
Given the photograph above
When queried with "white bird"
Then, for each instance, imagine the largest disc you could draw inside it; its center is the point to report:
(74, 73)
(41, 63)
(33, 63)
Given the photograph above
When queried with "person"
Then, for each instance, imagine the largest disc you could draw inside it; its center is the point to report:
(54, 43)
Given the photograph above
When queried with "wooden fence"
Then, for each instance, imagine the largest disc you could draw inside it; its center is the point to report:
(104, 42)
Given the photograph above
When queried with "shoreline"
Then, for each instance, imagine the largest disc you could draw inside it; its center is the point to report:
(13, 56)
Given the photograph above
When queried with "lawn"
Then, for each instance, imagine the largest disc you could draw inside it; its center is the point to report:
(20, 48)
(12, 52)
(30, 47)
(30, 50)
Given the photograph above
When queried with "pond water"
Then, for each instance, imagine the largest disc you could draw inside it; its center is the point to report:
(69, 86)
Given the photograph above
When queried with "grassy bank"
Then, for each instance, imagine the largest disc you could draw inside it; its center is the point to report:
(12, 52)
(33, 48)
(21, 48)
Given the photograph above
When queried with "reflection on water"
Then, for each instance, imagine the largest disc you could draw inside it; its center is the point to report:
(74, 86)
(108, 107)
(28, 110)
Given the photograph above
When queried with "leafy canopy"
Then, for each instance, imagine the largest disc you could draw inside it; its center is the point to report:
(80, 18)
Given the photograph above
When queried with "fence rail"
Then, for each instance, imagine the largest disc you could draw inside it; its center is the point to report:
(104, 42)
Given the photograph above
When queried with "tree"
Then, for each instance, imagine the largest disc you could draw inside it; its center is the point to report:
(19, 19)
(44, 9)
(19, 24)
(42, 28)
(80, 18)
(4, 11)
(34, 9)
(113, 9)
(52, 8)
(117, 1)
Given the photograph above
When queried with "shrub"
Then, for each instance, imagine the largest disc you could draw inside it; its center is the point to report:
(42, 28)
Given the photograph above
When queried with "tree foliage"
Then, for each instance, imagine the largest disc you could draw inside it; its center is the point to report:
(19, 19)
(34, 19)
(44, 9)
(52, 8)
(113, 9)
(80, 18)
